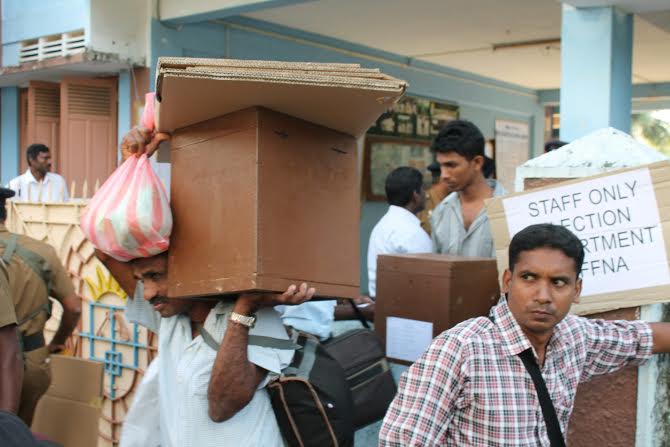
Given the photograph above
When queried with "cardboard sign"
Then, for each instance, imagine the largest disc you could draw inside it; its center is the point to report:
(622, 219)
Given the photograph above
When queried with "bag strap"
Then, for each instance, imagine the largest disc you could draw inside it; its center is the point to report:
(359, 314)
(548, 411)
(254, 340)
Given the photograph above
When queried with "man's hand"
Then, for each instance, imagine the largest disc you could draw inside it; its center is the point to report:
(54, 348)
(141, 141)
(249, 303)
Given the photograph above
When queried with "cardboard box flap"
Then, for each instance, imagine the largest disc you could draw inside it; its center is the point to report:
(75, 379)
(345, 97)
(324, 79)
(186, 101)
(183, 62)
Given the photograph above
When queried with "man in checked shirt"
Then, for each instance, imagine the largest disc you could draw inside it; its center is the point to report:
(470, 388)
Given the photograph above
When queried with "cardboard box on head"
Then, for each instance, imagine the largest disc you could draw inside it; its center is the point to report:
(421, 295)
(69, 412)
(264, 180)
(261, 201)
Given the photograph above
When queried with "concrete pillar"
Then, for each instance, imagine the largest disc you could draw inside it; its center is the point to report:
(9, 133)
(596, 59)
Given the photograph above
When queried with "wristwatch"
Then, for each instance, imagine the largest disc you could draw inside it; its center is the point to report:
(248, 321)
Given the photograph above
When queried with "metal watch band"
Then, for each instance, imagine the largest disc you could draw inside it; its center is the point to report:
(248, 321)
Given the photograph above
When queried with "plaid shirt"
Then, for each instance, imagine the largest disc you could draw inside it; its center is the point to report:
(470, 387)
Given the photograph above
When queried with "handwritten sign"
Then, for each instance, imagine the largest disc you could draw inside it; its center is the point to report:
(616, 218)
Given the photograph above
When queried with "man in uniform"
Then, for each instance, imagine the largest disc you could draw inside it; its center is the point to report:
(11, 362)
(34, 273)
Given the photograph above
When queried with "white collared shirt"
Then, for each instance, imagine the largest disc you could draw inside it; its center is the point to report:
(185, 370)
(399, 231)
(51, 189)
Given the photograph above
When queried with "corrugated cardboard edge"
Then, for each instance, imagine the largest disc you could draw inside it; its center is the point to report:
(660, 176)
(171, 61)
(292, 79)
(265, 72)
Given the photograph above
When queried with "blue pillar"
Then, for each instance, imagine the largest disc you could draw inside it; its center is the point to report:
(596, 59)
(125, 105)
(9, 133)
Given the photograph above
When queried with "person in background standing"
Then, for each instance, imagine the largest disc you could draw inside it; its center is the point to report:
(460, 224)
(399, 231)
(38, 183)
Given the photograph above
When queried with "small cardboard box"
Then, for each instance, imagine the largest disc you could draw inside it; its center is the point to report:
(421, 295)
(260, 201)
(69, 412)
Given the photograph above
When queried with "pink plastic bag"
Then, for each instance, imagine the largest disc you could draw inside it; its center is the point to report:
(129, 217)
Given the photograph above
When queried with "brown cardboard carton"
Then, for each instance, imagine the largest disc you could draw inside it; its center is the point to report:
(262, 200)
(424, 289)
(70, 410)
(343, 97)
(626, 258)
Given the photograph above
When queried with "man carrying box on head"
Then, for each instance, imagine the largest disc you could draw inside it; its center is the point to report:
(460, 224)
(206, 397)
(511, 378)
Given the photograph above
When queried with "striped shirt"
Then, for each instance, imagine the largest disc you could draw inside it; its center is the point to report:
(470, 387)
(449, 234)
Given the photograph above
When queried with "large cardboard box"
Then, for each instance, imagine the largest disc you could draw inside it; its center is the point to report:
(623, 221)
(262, 200)
(344, 97)
(69, 412)
(421, 295)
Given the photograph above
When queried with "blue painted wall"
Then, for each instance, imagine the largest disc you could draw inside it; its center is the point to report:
(481, 100)
(28, 19)
(9, 133)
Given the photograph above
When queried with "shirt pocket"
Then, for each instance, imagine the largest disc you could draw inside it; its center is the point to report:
(200, 383)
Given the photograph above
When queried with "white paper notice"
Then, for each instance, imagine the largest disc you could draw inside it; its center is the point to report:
(407, 339)
(616, 217)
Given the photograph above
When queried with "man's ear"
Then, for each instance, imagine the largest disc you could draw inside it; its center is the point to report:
(506, 279)
(578, 290)
(479, 161)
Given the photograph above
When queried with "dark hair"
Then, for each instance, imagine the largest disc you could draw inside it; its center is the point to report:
(34, 150)
(3, 210)
(401, 183)
(489, 167)
(459, 136)
(553, 145)
(547, 236)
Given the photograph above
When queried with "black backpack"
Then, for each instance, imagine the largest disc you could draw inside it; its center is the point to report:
(311, 398)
